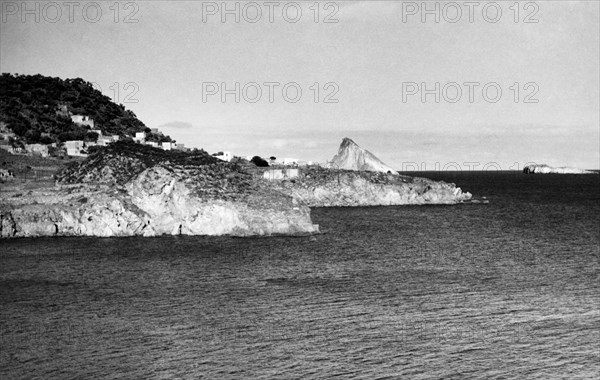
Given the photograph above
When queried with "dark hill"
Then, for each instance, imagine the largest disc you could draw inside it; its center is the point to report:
(37, 109)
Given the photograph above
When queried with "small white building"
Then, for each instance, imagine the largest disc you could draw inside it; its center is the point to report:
(153, 144)
(83, 120)
(226, 156)
(290, 161)
(280, 174)
(75, 148)
(11, 149)
(168, 145)
(105, 140)
(140, 137)
(110, 139)
(6, 174)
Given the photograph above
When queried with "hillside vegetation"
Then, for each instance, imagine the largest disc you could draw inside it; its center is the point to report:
(37, 109)
(123, 160)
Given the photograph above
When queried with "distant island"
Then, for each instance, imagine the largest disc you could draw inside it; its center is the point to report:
(127, 186)
(545, 169)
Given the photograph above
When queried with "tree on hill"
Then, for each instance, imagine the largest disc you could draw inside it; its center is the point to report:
(91, 136)
(259, 161)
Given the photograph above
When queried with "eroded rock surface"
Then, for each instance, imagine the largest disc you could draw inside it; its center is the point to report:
(158, 201)
(127, 194)
(318, 187)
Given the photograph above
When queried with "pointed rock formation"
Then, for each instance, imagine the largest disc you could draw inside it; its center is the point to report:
(350, 156)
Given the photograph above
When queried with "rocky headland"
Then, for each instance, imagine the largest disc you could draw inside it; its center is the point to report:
(127, 189)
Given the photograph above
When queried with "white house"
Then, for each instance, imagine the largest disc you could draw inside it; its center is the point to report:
(11, 149)
(75, 148)
(226, 156)
(292, 173)
(109, 139)
(6, 174)
(153, 144)
(290, 161)
(168, 145)
(280, 174)
(83, 120)
(140, 137)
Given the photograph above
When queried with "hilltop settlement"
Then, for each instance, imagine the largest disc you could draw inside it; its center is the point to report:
(110, 175)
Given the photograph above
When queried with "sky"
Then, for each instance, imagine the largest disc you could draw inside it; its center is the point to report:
(484, 86)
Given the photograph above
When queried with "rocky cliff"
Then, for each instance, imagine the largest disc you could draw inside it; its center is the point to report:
(118, 192)
(350, 156)
(545, 169)
(129, 189)
(160, 200)
(319, 187)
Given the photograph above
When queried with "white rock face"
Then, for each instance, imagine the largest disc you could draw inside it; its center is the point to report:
(78, 213)
(157, 202)
(350, 156)
(545, 169)
(174, 209)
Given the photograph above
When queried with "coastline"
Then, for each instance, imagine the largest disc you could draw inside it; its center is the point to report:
(182, 200)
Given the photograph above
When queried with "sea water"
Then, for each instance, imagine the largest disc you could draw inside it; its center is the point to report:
(506, 287)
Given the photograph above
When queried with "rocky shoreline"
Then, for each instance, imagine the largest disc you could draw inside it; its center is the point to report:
(168, 200)
(157, 202)
(119, 193)
(345, 188)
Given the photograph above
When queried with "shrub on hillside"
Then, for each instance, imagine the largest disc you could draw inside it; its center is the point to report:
(259, 161)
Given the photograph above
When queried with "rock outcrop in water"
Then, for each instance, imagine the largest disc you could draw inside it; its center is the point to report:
(118, 192)
(318, 187)
(350, 156)
(545, 169)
